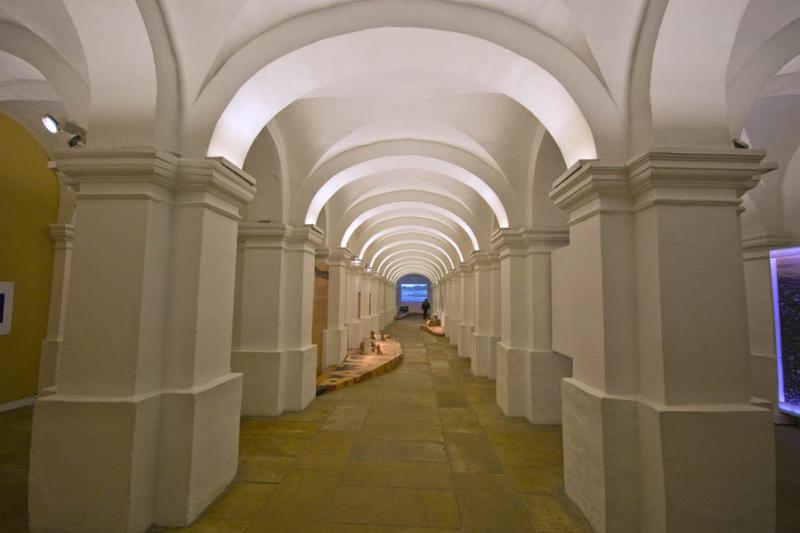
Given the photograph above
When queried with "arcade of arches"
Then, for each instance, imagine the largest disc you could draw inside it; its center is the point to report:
(592, 189)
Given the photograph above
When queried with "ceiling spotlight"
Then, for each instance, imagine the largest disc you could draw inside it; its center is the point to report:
(77, 135)
(50, 124)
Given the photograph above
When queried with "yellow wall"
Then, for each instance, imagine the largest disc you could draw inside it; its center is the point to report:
(28, 203)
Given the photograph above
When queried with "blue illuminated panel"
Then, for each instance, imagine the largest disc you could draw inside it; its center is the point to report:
(413, 292)
(785, 270)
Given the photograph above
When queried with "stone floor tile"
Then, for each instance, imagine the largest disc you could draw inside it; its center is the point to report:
(388, 450)
(299, 503)
(551, 514)
(489, 503)
(272, 446)
(393, 506)
(346, 418)
(208, 525)
(472, 453)
(324, 460)
(527, 479)
(451, 398)
(459, 420)
(264, 469)
(398, 474)
(377, 430)
(428, 417)
(240, 501)
(260, 426)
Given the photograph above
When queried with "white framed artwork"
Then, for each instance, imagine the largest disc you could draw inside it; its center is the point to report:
(6, 306)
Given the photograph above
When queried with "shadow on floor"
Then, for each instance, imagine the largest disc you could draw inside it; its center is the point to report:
(422, 446)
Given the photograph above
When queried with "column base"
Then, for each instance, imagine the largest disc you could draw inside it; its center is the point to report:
(465, 341)
(366, 327)
(453, 330)
(334, 346)
(546, 370)
(633, 466)
(484, 360)
(123, 464)
(275, 382)
(48, 363)
(353, 334)
(512, 380)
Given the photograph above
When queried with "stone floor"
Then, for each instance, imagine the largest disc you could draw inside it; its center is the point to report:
(423, 448)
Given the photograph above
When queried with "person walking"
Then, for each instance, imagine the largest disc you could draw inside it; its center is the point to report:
(426, 307)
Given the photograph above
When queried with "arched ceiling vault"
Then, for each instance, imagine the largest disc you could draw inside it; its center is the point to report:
(373, 241)
(431, 244)
(412, 251)
(444, 229)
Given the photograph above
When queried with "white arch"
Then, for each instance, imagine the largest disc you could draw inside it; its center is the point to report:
(400, 261)
(301, 71)
(414, 242)
(398, 206)
(414, 269)
(414, 251)
(374, 166)
(407, 229)
(394, 261)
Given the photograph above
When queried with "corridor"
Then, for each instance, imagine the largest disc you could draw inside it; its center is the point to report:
(424, 446)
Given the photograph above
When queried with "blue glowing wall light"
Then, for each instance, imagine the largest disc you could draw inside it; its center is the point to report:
(785, 273)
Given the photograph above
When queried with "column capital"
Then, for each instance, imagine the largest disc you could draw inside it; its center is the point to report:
(335, 256)
(683, 176)
(102, 173)
(306, 237)
(62, 235)
(759, 246)
(216, 176)
(481, 260)
(509, 242)
(589, 181)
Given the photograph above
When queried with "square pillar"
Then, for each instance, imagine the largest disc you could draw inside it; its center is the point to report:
(144, 425)
(273, 346)
(374, 302)
(546, 368)
(514, 347)
(465, 342)
(483, 337)
(334, 338)
(454, 323)
(353, 322)
(63, 236)
(657, 418)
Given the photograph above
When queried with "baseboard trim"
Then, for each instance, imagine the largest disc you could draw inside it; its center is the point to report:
(16, 404)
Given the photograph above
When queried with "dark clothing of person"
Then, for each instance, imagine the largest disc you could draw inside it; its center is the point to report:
(426, 308)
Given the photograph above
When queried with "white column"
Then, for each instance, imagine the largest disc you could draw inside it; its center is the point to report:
(497, 312)
(483, 338)
(353, 322)
(659, 431)
(334, 338)
(455, 315)
(465, 342)
(513, 349)
(63, 236)
(373, 302)
(273, 346)
(144, 392)
(364, 316)
(546, 368)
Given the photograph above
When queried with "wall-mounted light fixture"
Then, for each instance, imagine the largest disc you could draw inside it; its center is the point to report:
(54, 126)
